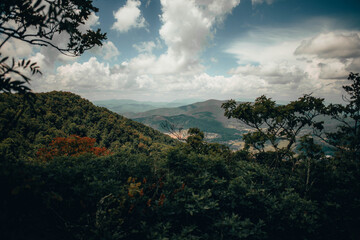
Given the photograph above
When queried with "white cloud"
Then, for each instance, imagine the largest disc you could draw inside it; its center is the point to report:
(332, 55)
(332, 69)
(185, 30)
(354, 66)
(41, 61)
(331, 45)
(272, 73)
(94, 79)
(266, 61)
(187, 27)
(16, 48)
(147, 47)
(216, 10)
(94, 76)
(128, 17)
(91, 74)
(49, 55)
(109, 50)
(92, 21)
(263, 45)
(78, 77)
(261, 54)
(270, 57)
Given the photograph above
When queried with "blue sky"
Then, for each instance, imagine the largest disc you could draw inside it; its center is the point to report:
(163, 50)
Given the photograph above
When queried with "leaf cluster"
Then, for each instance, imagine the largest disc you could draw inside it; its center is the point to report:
(274, 123)
(37, 22)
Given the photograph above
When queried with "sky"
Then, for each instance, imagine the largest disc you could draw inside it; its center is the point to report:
(167, 50)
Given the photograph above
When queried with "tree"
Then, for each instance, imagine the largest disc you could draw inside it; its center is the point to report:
(70, 146)
(276, 125)
(37, 22)
(174, 130)
(347, 138)
(195, 139)
(310, 154)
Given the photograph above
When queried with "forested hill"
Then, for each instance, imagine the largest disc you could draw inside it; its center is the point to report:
(61, 114)
(142, 188)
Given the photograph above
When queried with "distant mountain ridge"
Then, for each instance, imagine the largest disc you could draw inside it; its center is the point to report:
(127, 107)
(211, 106)
(208, 116)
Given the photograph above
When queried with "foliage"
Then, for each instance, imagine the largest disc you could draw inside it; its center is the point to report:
(173, 129)
(70, 146)
(38, 23)
(7, 84)
(310, 153)
(274, 124)
(347, 138)
(61, 114)
(153, 187)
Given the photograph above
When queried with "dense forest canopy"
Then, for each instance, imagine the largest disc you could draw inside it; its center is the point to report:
(61, 114)
(149, 186)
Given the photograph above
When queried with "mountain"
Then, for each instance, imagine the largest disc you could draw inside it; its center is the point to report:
(128, 107)
(60, 114)
(208, 116)
(150, 186)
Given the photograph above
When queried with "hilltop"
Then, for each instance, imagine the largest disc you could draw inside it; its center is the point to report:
(207, 116)
(60, 114)
(127, 107)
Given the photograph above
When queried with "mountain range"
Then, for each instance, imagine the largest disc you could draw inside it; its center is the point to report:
(128, 106)
(208, 116)
(174, 120)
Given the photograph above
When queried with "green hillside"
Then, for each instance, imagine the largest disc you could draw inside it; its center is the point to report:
(151, 187)
(207, 116)
(60, 114)
(204, 121)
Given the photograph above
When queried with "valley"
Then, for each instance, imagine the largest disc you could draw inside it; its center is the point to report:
(208, 116)
(174, 120)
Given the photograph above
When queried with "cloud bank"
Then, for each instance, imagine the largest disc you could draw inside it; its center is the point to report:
(282, 63)
(331, 45)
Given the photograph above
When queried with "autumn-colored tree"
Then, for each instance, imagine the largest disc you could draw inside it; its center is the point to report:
(71, 146)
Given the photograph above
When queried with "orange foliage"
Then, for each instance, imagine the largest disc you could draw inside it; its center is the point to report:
(71, 146)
